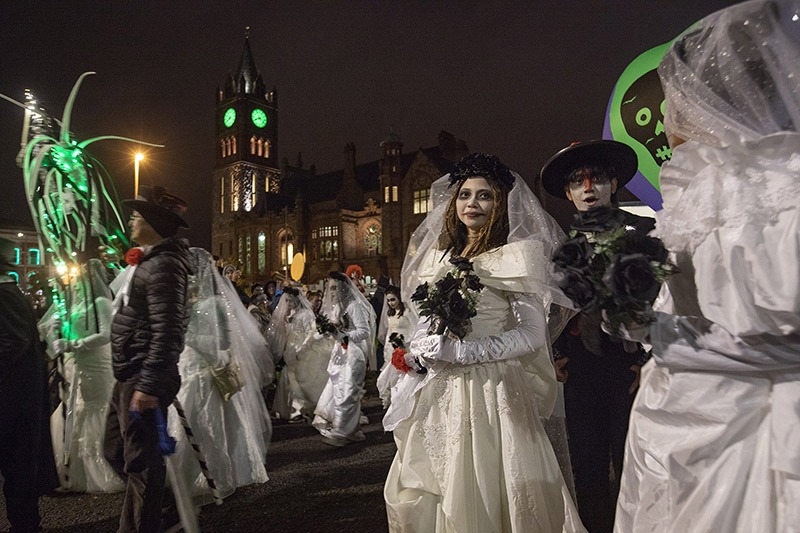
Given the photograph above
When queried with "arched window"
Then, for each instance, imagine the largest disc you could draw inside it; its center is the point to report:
(222, 196)
(260, 147)
(253, 145)
(222, 147)
(248, 257)
(285, 238)
(234, 145)
(267, 146)
(262, 252)
(372, 239)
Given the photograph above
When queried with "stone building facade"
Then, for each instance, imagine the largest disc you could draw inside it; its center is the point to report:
(265, 212)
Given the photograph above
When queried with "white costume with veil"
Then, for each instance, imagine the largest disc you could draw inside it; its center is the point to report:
(714, 438)
(338, 411)
(293, 333)
(472, 454)
(400, 324)
(233, 435)
(78, 433)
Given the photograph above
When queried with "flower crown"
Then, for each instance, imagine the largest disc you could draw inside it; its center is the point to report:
(485, 165)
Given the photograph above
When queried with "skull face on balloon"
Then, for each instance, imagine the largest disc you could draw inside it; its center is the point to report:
(642, 113)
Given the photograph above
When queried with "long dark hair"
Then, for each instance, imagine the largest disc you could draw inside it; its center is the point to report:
(495, 232)
(401, 307)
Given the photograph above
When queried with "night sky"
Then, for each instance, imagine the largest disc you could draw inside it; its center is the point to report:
(520, 80)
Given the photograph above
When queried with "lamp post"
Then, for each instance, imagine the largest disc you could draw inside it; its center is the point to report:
(139, 156)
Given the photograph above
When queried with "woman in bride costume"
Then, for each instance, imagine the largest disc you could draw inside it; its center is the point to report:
(232, 433)
(338, 413)
(293, 333)
(714, 438)
(86, 337)
(394, 320)
(472, 455)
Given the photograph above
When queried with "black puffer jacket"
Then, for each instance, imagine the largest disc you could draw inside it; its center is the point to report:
(147, 334)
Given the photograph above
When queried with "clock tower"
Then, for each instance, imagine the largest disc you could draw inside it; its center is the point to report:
(247, 164)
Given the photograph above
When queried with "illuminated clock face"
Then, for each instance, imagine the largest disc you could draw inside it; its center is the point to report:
(259, 118)
(229, 118)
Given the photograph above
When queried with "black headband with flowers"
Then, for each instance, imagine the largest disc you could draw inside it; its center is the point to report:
(484, 165)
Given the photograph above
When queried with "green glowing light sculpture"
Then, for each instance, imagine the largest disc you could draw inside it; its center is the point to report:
(70, 193)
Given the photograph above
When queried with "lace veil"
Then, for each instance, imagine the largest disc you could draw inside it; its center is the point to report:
(528, 221)
(220, 328)
(278, 334)
(732, 88)
(340, 292)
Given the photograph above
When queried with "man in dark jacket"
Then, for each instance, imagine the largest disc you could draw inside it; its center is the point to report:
(147, 336)
(600, 372)
(26, 453)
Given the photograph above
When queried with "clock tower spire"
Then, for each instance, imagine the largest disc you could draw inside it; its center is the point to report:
(247, 164)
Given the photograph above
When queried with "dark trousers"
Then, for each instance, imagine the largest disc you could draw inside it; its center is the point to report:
(18, 462)
(598, 406)
(131, 447)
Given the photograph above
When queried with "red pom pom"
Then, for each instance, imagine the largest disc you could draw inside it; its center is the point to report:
(399, 360)
(134, 255)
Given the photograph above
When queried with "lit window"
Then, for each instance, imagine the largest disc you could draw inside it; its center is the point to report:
(253, 145)
(386, 195)
(241, 250)
(234, 194)
(260, 147)
(267, 146)
(394, 193)
(372, 239)
(422, 201)
(247, 257)
(254, 189)
(234, 145)
(33, 256)
(222, 196)
(222, 147)
(262, 253)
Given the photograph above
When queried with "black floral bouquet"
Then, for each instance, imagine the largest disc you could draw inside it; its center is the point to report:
(330, 329)
(450, 303)
(614, 270)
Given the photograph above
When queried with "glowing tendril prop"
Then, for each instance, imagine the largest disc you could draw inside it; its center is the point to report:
(70, 194)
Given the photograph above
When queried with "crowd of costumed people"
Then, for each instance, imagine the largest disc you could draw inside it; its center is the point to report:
(635, 375)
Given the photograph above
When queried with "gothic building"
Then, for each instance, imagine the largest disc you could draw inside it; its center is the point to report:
(265, 212)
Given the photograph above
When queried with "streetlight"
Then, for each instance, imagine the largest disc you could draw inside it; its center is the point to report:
(139, 157)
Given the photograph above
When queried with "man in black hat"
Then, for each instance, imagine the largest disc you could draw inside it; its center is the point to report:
(147, 339)
(600, 372)
(26, 453)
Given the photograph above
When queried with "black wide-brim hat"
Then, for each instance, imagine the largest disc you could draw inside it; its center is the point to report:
(162, 210)
(606, 152)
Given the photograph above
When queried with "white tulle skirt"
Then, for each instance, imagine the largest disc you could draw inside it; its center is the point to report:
(474, 457)
(232, 435)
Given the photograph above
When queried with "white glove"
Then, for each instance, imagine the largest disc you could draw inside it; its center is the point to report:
(435, 347)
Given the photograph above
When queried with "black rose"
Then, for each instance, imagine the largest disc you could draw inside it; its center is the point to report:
(462, 264)
(473, 282)
(397, 340)
(631, 278)
(599, 219)
(574, 253)
(650, 247)
(421, 293)
(579, 287)
(448, 284)
(459, 311)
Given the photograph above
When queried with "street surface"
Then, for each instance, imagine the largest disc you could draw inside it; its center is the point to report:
(313, 488)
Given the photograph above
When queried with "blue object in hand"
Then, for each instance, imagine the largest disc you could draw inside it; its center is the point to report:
(166, 444)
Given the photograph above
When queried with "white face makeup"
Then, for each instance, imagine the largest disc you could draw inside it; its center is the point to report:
(391, 301)
(588, 189)
(474, 203)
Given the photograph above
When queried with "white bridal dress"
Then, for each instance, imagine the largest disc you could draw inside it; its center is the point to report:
(78, 424)
(714, 438)
(233, 435)
(472, 455)
(389, 376)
